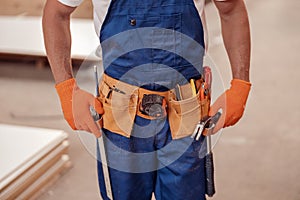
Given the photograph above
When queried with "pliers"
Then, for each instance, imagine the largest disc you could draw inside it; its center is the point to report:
(208, 123)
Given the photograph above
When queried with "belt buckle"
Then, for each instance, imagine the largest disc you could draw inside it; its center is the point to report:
(153, 105)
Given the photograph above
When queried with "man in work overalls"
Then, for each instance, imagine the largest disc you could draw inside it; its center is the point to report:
(150, 48)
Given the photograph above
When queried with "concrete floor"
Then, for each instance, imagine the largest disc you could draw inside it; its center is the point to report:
(257, 159)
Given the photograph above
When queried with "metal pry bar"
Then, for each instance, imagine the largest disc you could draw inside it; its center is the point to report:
(102, 148)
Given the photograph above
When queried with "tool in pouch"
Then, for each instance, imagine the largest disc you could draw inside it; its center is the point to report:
(100, 143)
(153, 105)
(207, 123)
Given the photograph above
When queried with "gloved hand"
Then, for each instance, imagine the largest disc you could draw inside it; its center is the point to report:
(76, 104)
(232, 102)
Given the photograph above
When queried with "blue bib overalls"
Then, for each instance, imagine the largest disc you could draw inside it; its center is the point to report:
(154, 44)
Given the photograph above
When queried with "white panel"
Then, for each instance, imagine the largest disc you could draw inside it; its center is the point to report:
(20, 147)
(24, 35)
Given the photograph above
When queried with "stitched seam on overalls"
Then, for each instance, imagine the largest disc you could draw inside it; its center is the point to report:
(151, 6)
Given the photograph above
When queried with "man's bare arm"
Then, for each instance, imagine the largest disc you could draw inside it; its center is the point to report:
(236, 36)
(75, 102)
(57, 38)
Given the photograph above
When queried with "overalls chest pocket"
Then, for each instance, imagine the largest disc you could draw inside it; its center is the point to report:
(165, 37)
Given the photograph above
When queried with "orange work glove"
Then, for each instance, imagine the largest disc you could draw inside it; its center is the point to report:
(232, 102)
(76, 104)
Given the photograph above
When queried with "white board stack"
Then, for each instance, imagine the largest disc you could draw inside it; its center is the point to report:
(23, 35)
(30, 159)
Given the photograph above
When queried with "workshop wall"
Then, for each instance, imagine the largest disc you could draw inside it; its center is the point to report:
(35, 8)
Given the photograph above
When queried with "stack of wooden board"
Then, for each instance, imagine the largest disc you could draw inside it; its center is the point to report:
(30, 159)
(23, 35)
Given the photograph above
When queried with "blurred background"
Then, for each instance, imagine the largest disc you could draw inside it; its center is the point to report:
(257, 159)
(35, 8)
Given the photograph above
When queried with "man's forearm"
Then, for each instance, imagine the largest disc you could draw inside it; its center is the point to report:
(236, 36)
(57, 38)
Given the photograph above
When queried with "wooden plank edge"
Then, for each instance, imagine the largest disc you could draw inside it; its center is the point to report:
(17, 186)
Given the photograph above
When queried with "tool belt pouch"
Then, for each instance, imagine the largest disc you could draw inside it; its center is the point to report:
(184, 115)
(119, 104)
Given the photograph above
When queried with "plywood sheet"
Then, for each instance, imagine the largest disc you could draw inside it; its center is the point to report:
(28, 181)
(21, 147)
(24, 36)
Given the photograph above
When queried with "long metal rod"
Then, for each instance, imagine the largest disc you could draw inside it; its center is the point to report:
(102, 150)
(105, 168)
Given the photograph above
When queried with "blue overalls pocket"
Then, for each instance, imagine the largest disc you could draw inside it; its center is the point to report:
(164, 42)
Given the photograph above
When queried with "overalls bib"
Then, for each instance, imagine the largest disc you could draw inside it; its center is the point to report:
(141, 37)
(153, 44)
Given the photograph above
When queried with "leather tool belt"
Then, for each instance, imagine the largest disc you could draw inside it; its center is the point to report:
(122, 102)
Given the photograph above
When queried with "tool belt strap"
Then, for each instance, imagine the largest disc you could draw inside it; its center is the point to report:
(107, 84)
(117, 95)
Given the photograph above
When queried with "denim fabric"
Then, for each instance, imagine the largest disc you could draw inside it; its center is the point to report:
(140, 165)
(154, 44)
(157, 38)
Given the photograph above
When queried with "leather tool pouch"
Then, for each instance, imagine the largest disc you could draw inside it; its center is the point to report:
(184, 115)
(120, 104)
